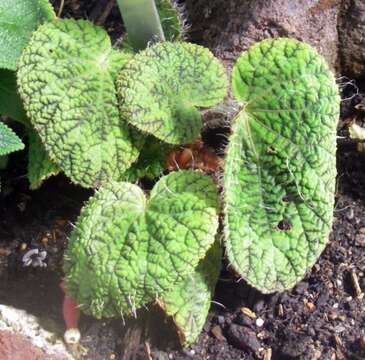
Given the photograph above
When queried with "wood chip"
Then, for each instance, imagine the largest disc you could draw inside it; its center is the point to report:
(217, 333)
(281, 310)
(362, 342)
(248, 312)
(356, 285)
(268, 354)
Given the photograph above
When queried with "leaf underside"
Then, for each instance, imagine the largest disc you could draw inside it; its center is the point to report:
(9, 141)
(66, 80)
(18, 19)
(280, 169)
(127, 250)
(189, 301)
(162, 88)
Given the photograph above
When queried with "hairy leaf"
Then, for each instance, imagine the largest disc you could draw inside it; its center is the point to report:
(66, 79)
(40, 166)
(189, 300)
(9, 141)
(171, 19)
(18, 20)
(127, 250)
(280, 169)
(10, 102)
(151, 161)
(161, 89)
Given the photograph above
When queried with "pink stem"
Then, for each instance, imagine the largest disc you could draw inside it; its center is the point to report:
(71, 311)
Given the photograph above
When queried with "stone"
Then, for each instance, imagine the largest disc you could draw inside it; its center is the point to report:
(352, 38)
(242, 338)
(22, 337)
(312, 21)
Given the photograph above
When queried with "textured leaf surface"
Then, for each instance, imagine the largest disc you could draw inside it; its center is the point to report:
(66, 79)
(18, 20)
(9, 141)
(40, 166)
(161, 89)
(10, 102)
(280, 168)
(126, 250)
(151, 161)
(189, 300)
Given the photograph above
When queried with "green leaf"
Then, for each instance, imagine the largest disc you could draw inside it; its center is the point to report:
(18, 20)
(10, 103)
(171, 20)
(151, 161)
(40, 166)
(127, 250)
(66, 80)
(189, 300)
(161, 89)
(280, 168)
(9, 141)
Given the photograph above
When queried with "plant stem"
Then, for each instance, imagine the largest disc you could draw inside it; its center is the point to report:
(142, 22)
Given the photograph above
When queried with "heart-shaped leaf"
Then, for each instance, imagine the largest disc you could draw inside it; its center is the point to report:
(18, 19)
(189, 300)
(127, 250)
(66, 79)
(161, 89)
(280, 169)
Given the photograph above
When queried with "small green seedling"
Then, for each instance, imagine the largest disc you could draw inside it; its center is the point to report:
(279, 178)
(106, 116)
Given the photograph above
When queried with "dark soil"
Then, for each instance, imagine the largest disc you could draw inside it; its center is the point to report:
(323, 317)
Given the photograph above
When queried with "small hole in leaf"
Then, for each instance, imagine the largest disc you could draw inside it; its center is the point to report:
(284, 225)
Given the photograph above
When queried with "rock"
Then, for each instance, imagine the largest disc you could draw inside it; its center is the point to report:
(360, 238)
(221, 320)
(242, 338)
(301, 288)
(22, 337)
(296, 346)
(243, 319)
(259, 305)
(259, 322)
(217, 333)
(312, 21)
(17, 347)
(352, 38)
